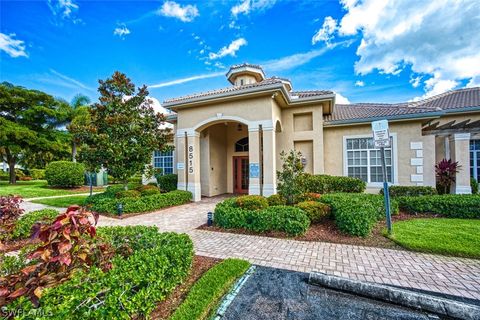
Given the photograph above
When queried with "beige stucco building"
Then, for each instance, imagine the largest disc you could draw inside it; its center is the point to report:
(229, 140)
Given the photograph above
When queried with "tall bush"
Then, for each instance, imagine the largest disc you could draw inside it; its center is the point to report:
(446, 171)
(322, 183)
(167, 182)
(65, 174)
(290, 177)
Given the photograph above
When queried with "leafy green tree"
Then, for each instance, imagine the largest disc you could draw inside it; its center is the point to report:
(27, 124)
(290, 177)
(122, 131)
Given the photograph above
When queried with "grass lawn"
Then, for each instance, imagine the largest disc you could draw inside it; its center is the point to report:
(62, 202)
(36, 188)
(457, 237)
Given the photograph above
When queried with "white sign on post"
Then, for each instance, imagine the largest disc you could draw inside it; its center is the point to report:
(381, 136)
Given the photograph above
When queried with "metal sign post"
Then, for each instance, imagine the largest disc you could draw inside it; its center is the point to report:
(381, 139)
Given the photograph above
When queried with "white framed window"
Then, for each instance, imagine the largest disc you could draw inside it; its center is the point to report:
(163, 160)
(362, 160)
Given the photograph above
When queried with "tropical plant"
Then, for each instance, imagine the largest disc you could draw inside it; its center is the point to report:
(123, 129)
(76, 115)
(27, 119)
(9, 212)
(290, 177)
(67, 246)
(446, 171)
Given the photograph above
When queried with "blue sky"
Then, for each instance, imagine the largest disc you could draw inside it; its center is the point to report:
(366, 51)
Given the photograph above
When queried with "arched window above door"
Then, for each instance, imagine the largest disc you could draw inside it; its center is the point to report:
(241, 145)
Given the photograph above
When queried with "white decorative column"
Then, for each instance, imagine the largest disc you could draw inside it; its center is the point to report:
(459, 151)
(254, 159)
(269, 162)
(192, 165)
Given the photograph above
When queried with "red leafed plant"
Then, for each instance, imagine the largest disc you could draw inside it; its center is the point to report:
(446, 171)
(9, 213)
(68, 245)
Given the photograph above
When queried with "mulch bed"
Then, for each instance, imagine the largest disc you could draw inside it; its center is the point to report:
(327, 231)
(166, 308)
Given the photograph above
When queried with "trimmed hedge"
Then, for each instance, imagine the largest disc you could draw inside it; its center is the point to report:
(24, 225)
(65, 174)
(148, 190)
(207, 292)
(449, 205)
(290, 220)
(167, 182)
(104, 203)
(331, 184)
(315, 210)
(252, 202)
(276, 200)
(132, 237)
(400, 191)
(357, 214)
(131, 289)
(127, 194)
(112, 190)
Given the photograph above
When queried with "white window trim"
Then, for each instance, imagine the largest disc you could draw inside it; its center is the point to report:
(394, 158)
(174, 171)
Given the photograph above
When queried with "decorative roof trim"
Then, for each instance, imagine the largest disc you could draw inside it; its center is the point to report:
(401, 117)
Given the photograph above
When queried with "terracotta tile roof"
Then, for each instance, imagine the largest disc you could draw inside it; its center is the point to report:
(448, 101)
(239, 89)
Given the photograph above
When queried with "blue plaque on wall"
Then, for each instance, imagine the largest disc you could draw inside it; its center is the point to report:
(254, 170)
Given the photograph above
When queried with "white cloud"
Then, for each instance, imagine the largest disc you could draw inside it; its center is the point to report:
(13, 47)
(121, 31)
(415, 81)
(437, 40)
(229, 50)
(172, 9)
(247, 6)
(66, 9)
(339, 99)
(184, 80)
(325, 33)
(359, 83)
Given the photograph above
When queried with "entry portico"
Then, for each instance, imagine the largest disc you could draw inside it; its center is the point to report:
(227, 140)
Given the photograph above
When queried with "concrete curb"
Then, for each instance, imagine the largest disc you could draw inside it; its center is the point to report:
(403, 297)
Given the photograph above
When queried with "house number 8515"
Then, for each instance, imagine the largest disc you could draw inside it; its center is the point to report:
(190, 159)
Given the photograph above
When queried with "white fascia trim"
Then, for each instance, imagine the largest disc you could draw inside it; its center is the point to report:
(394, 159)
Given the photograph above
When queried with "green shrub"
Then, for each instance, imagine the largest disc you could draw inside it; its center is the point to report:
(128, 194)
(474, 185)
(315, 210)
(4, 176)
(252, 202)
(212, 286)
(65, 174)
(356, 214)
(449, 205)
(290, 220)
(133, 237)
(131, 289)
(24, 225)
(332, 184)
(112, 190)
(400, 191)
(38, 174)
(167, 182)
(19, 174)
(104, 203)
(148, 190)
(276, 200)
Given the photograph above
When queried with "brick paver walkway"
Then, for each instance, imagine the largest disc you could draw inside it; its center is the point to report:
(455, 276)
